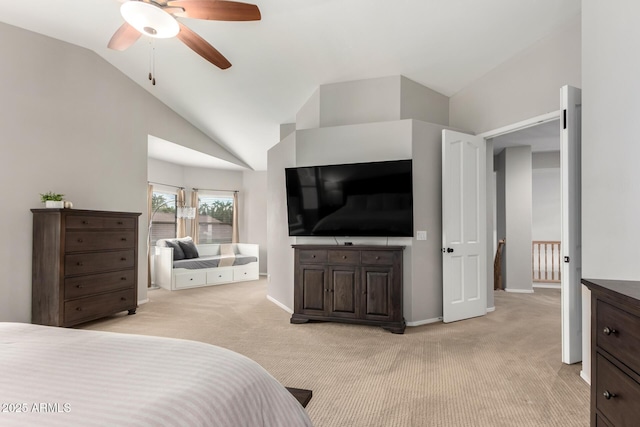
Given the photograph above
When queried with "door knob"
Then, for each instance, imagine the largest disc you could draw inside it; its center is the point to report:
(449, 250)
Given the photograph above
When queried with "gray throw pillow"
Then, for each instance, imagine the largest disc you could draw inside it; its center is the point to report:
(178, 253)
(189, 249)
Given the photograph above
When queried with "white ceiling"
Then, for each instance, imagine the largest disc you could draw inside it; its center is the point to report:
(279, 62)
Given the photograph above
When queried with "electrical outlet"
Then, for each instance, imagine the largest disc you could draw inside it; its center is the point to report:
(422, 235)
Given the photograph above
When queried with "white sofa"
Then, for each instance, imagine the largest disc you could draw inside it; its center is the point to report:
(174, 278)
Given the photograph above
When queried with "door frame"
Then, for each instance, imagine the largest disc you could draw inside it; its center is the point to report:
(551, 116)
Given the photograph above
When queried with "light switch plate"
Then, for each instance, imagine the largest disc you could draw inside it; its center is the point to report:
(422, 235)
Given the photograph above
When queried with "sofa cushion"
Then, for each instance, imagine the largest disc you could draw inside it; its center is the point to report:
(178, 253)
(189, 249)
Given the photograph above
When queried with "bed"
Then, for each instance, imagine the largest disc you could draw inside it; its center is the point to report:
(67, 377)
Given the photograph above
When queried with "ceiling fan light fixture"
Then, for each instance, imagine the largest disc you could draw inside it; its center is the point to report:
(149, 19)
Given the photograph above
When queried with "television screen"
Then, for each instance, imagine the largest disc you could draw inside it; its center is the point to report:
(360, 199)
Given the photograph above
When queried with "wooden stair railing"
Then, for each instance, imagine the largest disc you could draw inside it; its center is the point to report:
(545, 263)
(497, 266)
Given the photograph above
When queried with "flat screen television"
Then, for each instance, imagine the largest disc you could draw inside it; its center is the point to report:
(358, 199)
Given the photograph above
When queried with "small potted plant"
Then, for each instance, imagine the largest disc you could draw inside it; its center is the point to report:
(52, 200)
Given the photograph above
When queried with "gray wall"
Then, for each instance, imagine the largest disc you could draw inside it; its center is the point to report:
(518, 208)
(525, 86)
(70, 123)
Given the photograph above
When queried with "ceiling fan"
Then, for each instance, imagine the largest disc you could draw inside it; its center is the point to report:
(156, 18)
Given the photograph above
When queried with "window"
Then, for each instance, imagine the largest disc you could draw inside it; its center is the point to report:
(163, 221)
(215, 219)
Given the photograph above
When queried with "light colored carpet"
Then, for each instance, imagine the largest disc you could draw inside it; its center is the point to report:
(502, 369)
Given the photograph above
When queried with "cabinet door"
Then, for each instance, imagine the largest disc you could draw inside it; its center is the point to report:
(310, 290)
(378, 296)
(343, 291)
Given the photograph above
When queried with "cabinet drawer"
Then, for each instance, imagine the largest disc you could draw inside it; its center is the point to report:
(220, 275)
(98, 262)
(621, 408)
(188, 280)
(618, 332)
(246, 272)
(98, 306)
(81, 286)
(309, 256)
(90, 222)
(377, 257)
(98, 240)
(344, 257)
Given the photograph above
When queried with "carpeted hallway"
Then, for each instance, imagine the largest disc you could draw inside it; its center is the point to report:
(502, 369)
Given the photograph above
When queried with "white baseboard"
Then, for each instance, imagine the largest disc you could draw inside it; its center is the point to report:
(547, 285)
(424, 322)
(490, 309)
(279, 304)
(586, 377)
(519, 291)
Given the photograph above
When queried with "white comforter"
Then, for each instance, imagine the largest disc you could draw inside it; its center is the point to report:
(65, 377)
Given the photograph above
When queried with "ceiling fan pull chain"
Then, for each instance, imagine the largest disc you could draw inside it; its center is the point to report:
(153, 66)
(150, 54)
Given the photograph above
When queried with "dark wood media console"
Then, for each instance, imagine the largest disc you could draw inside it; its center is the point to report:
(351, 284)
(615, 352)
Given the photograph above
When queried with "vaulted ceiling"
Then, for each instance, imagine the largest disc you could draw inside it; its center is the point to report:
(280, 61)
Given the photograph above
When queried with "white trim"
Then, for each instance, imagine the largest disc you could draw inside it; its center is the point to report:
(533, 121)
(144, 301)
(547, 285)
(586, 377)
(425, 322)
(519, 291)
(279, 304)
(491, 309)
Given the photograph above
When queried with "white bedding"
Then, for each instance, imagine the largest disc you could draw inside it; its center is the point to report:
(68, 377)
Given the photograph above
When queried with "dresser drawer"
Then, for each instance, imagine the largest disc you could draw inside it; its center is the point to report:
(618, 332)
(90, 222)
(344, 257)
(246, 272)
(76, 287)
(98, 262)
(99, 306)
(621, 407)
(220, 275)
(191, 279)
(98, 240)
(311, 256)
(377, 257)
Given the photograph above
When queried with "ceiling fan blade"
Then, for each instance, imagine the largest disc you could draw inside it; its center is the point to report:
(124, 37)
(202, 47)
(217, 10)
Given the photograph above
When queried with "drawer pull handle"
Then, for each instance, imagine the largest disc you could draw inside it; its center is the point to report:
(344, 257)
(124, 239)
(79, 240)
(608, 331)
(123, 278)
(79, 264)
(608, 395)
(120, 222)
(123, 259)
(79, 286)
(78, 308)
(377, 257)
(313, 256)
(123, 299)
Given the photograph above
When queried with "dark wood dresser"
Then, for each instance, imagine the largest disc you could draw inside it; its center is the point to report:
(85, 265)
(352, 284)
(615, 352)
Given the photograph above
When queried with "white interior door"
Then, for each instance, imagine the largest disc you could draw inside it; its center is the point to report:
(464, 292)
(570, 134)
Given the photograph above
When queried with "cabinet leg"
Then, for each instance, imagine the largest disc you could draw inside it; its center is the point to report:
(395, 329)
(298, 320)
(132, 311)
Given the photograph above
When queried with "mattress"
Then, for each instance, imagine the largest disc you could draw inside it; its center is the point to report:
(212, 261)
(67, 377)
